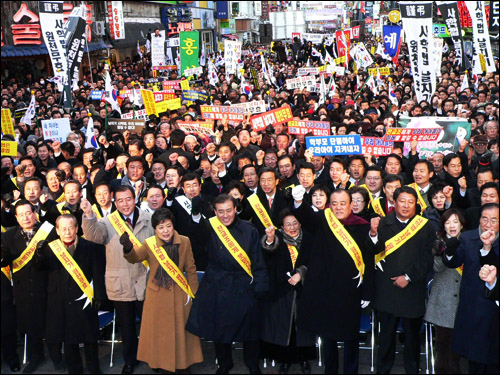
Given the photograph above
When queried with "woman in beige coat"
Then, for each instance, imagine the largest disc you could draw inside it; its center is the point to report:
(164, 343)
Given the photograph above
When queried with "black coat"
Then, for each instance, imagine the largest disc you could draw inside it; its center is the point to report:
(278, 307)
(30, 285)
(225, 308)
(475, 336)
(414, 259)
(279, 204)
(8, 309)
(67, 319)
(330, 304)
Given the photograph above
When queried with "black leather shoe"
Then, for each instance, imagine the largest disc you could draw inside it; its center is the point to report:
(32, 366)
(128, 369)
(15, 366)
(224, 370)
(306, 367)
(284, 368)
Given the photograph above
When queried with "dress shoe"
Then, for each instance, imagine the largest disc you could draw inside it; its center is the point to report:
(224, 370)
(15, 366)
(306, 367)
(32, 366)
(284, 368)
(128, 369)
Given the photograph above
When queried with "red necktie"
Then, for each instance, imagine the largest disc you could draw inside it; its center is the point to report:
(129, 221)
(356, 182)
(270, 202)
(390, 209)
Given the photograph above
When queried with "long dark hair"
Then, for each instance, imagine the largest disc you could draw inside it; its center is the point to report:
(444, 218)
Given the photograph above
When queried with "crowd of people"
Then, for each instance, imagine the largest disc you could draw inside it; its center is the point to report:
(293, 246)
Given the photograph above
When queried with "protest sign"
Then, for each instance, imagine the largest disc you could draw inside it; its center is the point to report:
(455, 130)
(194, 95)
(376, 146)
(334, 145)
(120, 125)
(129, 93)
(189, 48)
(164, 95)
(255, 78)
(339, 70)
(171, 104)
(383, 71)
(171, 85)
(219, 112)
(19, 113)
(253, 107)
(194, 71)
(140, 114)
(7, 126)
(307, 71)
(408, 135)
(56, 129)
(9, 148)
(318, 128)
(199, 127)
(276, 116)
(300, 82)
(96, 94)
(158, 50)
(149, 102)
(184, 85)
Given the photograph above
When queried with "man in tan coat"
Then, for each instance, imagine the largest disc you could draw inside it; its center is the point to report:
(125, 282)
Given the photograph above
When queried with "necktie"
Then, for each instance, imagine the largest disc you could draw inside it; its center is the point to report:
(129, 222)
(390, 209)
(356, 182)
(421, 192)
(270, 200)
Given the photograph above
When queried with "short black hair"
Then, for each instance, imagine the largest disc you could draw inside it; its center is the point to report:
(139, 159)
(73, 182)
(338, 191)
(160, 215)
(286, 156)
(24, 202)
(339, 161)
(391, 178)
(268, 169)
(223, 198)
(306, 165)
(488, 185)
(430, 166)
(190, 177)
(449, 157)
(123, 188)
(488, 206)
(68, 147)
(405, 189)
(177, 137)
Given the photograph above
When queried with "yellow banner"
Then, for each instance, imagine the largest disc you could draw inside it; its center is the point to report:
(169, 266)
(61, 198)
(343, 236)
(400, 239)
(294, 253)
(231, 245)
(9, 148)
(96, 212)
(260, 211)
(368, 190)
(184, 85)
(121, 227)
(377, 207)
(28, 253)
(149, 102)
(383, 71)
(339, 60)
(7, 126)
(171, 104)
(73, 268)
(421, 202)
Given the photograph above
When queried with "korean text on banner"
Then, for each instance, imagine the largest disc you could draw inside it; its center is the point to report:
(219, 112)
(408, 135)
(157, 50)
(149, 102)
(376, 146)
(451, 16)
(200, 127)
(56, 129)
(318, 128)
(417, 25)
(7, 126)
(276, 116)
(334, 145)
(170, 104)
(482, 45)
(9, 148)
(189, 49)
(120, 125)
(253, 107)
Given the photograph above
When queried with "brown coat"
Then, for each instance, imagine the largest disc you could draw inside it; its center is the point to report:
(164, 343)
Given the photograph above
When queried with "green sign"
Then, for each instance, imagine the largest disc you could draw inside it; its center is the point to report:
(440, 30)
(190, 48)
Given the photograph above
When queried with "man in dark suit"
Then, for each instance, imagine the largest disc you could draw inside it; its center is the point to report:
(401, 278)
(475, 336)
(385, 205)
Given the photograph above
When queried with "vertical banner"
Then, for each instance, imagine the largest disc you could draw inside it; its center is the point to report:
(494, 26)
(190, 48)
(52, 25)
(438, 55)
(157, 50)
(482, 45)
(232, 53)
(450, 13)
(343, 43)
(117, 25)
(417, 24)
(392, 40)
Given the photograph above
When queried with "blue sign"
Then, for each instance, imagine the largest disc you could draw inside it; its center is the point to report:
(392, 34)
(96, 94)
(335, 145)
(223, 10)
(194, 95)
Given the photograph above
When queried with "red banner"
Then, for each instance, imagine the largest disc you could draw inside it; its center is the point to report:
(276, 116)
(341, 47)
(376, 146)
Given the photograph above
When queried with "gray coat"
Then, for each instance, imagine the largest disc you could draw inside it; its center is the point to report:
(443, 300)
(124, 281)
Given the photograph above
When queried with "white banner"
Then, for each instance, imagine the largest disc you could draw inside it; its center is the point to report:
(438, 55)
(118, 24)
(140, 114)
(314, 38)
(361, 56)
(157, 50)
(191, 72)
(300, 83)
(256, 106)
(339, 70)
(482, 45)
(232, 53)
(56, 129)
(52, 24)
(417, 26)
(307, 71)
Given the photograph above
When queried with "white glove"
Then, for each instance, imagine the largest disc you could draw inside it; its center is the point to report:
(298, 192)
(364, 304)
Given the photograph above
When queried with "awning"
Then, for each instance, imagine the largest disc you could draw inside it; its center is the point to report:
(230, 36)
(136, 32)
(19, 51)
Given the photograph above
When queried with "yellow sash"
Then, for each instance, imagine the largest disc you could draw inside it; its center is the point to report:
(121, 227)
(3, 229)
(169, 266)
(28, 253)
(368, 190)
(460, 269)
(260, 211)
(421, 201)
(14, 181)
(343, 236)
(399, 239)
(6, 272)
(96, 212)
(231, 245)
(377, 207)
(72, 267)
(61, 198)
(294, 253)
(61, 209)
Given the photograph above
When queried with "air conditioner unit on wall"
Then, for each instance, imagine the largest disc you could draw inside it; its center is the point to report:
(99, 28)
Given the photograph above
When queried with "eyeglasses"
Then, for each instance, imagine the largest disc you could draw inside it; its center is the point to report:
(485, 220)
(291, 225)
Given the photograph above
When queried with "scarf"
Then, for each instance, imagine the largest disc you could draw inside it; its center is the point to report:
(353, 220)
(161, 278)
(292, 241)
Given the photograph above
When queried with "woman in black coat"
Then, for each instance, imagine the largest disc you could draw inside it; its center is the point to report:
(285, 342)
